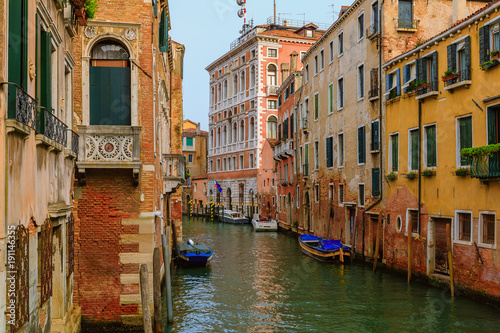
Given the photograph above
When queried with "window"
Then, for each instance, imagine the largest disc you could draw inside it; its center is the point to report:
(361, 82)
(307, 73)
(330, 48)
(316, 155)
(272, 75)
(316, 66)
(251, 161)
(361, 26)
(218, 165)
(235, 132)
(393, 84)
(463, 226)
(341, 193)
(340, 94)
(330, 98)
(375, 136)
(163, 34)
(229, 166)
(224, 164)
(413, 148)
(464, 140)
(234, 163)
(409, 76)
(189, 142)
(243, 59)
(374, 18)
(272, 122)
(306, 156)
(493, 125)
(430, 146)
(316, 106)
(412, 218)
(243, 81)
(242, 131)
(341, 150)
(251, 131)
(272, 53)
(235, 84)
(361, 145)
(309, 33)
(427, 72)
(297, 196)
(341, 44)
(252, 76)
(190, 158)
(458, 57)
(375, 182)
(272, 104)
(110, 85)
(487, 229)
(394, 152)
(316, 192)
(331, 192)
(405, 10)
(212, 166)
(361, 195)
(241, 162)
(329, 152)
(322, 59)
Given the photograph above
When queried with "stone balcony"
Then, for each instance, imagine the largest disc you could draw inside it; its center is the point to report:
(174, 172)
(109, 147)
(283, 150)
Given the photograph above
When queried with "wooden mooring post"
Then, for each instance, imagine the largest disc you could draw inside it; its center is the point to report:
(450, 258)
(409, 252)
(157, 290)
(168, 286)
(377, 242)
(146, 313)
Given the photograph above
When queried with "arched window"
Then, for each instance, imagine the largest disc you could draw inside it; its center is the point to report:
(252, 129)
(224, 137)
(271, 127)
(219, 93)
(212, 144)
(110, 85)
(242, 81)
(235, 132)
(235, 84)
(212, 96)
(252, 76)
(225, 89)
(242, 130)
(218, 137)
(272, 72)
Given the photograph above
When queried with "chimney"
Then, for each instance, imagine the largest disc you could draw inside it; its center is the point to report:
(285, 71)
(293, 61)
(198, 128)
(459, 10)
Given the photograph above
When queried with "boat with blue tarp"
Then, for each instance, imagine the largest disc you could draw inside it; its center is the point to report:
(192, 254)
(327, 250)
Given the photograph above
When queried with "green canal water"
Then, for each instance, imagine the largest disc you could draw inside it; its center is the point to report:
(261, 282)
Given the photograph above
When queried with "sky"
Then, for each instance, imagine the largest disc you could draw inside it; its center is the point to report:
(207, 28)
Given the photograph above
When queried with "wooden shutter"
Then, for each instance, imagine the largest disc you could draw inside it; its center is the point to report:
(375, 182)
(285, 128)
(279, 131)
(373, 80)
(452, 57)
(375, 135)
(493, 125)
(467, 74)
(431, 146)
(361, 145)
(330, 91)
(465, 132)
(420, 70)
(45, 71)
(291, 126)
(316, 106)
(406, 71)
(155, 8)
(329, 157)
(434, 72)
(484, 43)
(163, 33)
(398, 82)
(414, 150)
(395, 152)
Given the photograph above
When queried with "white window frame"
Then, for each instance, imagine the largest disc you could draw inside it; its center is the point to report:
(330, 98)
(362, 13)
(341, 153)
(361, 204)
(307, 72)
(316, 119)
(358, 82)
(394, 82)
(456, 231)
(316, 64)
(340, 54)
(330, 48)
(413, 74)
(413, 234)
(316, 155)
(190, 157)
(269, 51)
(251, 161)
(375, 14)
(409, 149)
(276, 104)
(457, 130)
(424, 152)
(339, 92)
(480, 230)
(242, 162)
(389, 165)
(357, 145)
(326, 153)
(322, 60)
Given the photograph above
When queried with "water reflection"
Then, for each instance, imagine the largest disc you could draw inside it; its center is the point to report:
(261, 282)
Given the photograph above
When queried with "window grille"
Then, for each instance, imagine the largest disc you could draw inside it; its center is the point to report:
(45, 248)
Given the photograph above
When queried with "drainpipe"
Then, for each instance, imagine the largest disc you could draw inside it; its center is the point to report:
(381, 174)
(419, 160)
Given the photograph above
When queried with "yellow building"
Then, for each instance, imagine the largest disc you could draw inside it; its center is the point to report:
(442, 97)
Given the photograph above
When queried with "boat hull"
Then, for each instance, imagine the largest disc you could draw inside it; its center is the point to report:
(310, 248)
(194, 254)
(194, 261)
(264, 226)
(234, 221)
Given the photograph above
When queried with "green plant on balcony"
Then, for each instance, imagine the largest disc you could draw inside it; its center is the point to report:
(412, 86)
(411, 175)
(462, 172)
(494, 54)
(427, 173)
(393, 94)
(421, 85)
(391, 176)
(488, 64)
(488, 150)
(450, 74)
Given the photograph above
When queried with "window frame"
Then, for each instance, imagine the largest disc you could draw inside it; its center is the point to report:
(340, 93)
(480, 240)
(361, 27)
(457, 137)
(316, 155)
(269, 51)
(340, 44)
(425, 146)
(456, 232)
(330, 98)
(332, 152)
(341, 150)
(361, 204)
(364, 145)
(410, 159)
(322, 60)
(331, 56)
(390, 159)
(414, 234)
(316, 106)
(360, 75)
(316, 64)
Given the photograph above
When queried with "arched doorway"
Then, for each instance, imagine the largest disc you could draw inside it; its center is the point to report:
(307, 213)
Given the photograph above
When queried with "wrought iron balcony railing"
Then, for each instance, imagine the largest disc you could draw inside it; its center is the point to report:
(75, 142)
(460, 76)
(485, 167)
(407, 24)
(21, 106)
(427, 88)
(51, 127)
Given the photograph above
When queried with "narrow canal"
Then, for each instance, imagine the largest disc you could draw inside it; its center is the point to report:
(261, 282)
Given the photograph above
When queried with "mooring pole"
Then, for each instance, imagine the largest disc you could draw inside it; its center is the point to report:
(146, 313)
(450, 258)
(157, 290)
(168, 287)
(377, 242)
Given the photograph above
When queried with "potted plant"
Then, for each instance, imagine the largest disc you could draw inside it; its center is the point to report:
(488, 64)
(494, 54)
(462, 172)
(427, 173)
(391, 176)
(393, 94)
(411, 175)
(412, 86)
(421, 85)
(450, 74)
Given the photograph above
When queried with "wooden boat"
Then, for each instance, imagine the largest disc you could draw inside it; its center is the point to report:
(192, 254)
(327, 250)
(229, 216)
(264, 223)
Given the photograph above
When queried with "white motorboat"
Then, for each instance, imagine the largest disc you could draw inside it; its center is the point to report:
(229, 216)
(264, 223)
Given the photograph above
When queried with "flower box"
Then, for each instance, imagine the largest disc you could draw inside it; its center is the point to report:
(495, 57)
(411, 175)
(462, 172)
(449, 77)
(428, 173)
(391, 176)
(488, 64)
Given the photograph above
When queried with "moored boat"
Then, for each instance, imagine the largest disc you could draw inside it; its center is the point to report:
(192, 254)
(264, 223)
(229, 216)
(327, 250)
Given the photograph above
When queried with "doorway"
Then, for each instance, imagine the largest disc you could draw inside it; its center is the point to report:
(440, 246)
(307, 213)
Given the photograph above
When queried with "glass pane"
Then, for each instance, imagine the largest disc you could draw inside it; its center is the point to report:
(109, 51)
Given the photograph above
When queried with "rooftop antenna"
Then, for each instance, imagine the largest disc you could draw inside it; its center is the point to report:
(333, 11)
(304, 18)
(242, 12)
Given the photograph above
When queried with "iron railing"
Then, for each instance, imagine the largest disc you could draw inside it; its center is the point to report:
(372, 30)
(484, 167)
(46, 260)
(460, 76)
(407, 24)
(50, 126)
(25, 105)
(305, 170)
(427, 88)
(75, 142)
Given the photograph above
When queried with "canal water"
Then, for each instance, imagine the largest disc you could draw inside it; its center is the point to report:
(261, 282)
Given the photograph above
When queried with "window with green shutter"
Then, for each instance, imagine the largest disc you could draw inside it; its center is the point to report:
(361, 145)
(163, 33)
(316, 106)
(465, 138)
(341, 149)
(330, 98)
(189, 142)
(375, 182)
(394, 152)
(493, 125)
(329, 152)
(45, 70)
(431, 146)
(375, 136)
(414, 150)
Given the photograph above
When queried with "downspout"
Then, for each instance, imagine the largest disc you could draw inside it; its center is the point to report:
(381, 174)
(419, 160)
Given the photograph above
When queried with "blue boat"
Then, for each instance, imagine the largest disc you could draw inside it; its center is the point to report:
(192, 254)
(326, 250)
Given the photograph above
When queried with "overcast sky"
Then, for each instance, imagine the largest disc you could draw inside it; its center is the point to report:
(207, 28)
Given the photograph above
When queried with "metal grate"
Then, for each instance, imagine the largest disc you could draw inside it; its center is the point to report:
(17, 274)
(25, 107)
(46, 260)
(71, 244)
(50, 126)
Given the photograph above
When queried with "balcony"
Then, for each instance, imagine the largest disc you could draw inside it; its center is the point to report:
(459, 79)
(486, 167)
(406, 25)
(284, 182)
(373, 94)
(21, 114)
(51, 131)
(109, 147)
(372, 31)
(272, 90)
(174, 172)
(73, 143)
(305, 170)
(305, 123)
(427, 89)
(283, 150)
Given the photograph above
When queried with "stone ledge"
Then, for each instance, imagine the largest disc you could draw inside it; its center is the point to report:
(15, 126)
(136, 258)
(465, 83)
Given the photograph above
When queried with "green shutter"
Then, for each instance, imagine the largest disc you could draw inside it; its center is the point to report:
(361, 145)
(414, 150)
(306, 154)
(375, 136)
(375, 182)
(431, 146)
(316, 106)
(155, 8)
(331, 97)
(395, 152)
(493, 125)
(484, 44)
(329, 157)
(163, 33)
(189, 142)
(465, 132)
(46, 71)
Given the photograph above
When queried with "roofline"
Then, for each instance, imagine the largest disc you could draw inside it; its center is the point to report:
(434, 40)
(288, 80)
